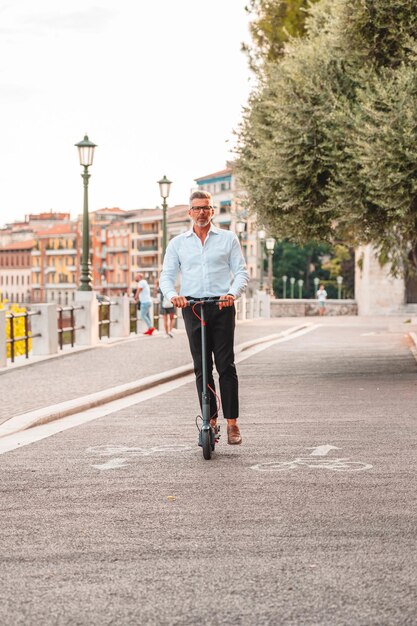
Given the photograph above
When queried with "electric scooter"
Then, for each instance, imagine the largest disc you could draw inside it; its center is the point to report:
(207, 437)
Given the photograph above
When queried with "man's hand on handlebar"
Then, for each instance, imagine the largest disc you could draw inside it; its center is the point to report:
(228, 300)
(180, 302)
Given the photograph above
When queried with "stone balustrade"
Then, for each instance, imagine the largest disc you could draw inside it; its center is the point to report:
(294, 307)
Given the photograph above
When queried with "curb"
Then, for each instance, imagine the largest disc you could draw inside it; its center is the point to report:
(77, 405)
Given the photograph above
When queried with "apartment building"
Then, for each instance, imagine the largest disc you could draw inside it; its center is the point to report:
(116, 276)
(110, 251)
(178, 220)
(56, 259)
(145, 244)
(24, 230)
(15, 271)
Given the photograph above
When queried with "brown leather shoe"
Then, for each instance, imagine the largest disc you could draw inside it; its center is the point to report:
(233, 435)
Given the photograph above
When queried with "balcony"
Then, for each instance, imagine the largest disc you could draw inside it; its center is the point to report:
(150, 266)
(148, 235)
(36, 269)
(61, 251)
(36, 252)
(116, 249)
(60, 286)
(144, 249)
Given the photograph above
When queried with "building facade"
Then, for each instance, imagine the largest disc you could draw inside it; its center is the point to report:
(56, 259)
(15, 271)
(379, 293)
(110, 251)
(145, 227)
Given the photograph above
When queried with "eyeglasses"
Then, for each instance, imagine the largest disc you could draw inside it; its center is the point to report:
(197, 209)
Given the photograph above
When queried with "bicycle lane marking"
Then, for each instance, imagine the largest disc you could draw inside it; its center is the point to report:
(36, 433)
(339, 464)
(119, 462)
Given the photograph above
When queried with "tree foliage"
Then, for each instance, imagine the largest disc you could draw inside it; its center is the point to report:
(276, 21)
(328, 140)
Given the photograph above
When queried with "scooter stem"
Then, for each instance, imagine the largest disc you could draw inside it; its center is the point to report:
(205, 396)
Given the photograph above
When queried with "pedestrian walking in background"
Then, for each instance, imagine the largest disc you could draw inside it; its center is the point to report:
(167, 310)
(143, 296)
(321, 297)
(207, 258)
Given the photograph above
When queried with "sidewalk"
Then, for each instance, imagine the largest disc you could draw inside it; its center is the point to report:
(108, 365)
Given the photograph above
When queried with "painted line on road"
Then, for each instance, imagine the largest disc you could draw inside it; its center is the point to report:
(36, 433)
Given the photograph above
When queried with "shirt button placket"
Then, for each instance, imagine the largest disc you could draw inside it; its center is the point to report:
(204, 268)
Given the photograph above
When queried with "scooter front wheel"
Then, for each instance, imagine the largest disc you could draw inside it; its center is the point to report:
(206, 444)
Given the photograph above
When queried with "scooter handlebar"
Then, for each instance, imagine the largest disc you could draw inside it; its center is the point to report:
(206, 301)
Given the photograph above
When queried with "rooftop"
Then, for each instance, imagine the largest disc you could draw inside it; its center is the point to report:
(227, 172)
(60, 229)
(19, 245)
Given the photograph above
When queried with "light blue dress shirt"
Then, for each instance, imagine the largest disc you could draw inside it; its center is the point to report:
(214, 268)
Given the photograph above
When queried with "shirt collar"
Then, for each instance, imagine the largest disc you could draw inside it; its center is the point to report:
(213, 229)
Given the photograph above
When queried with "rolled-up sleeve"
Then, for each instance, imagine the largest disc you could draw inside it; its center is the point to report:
(169, 272)
(238, 269)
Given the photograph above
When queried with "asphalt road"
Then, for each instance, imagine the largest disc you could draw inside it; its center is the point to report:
(311, 521)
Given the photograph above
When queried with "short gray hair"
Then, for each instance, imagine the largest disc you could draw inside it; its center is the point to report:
(201, 195)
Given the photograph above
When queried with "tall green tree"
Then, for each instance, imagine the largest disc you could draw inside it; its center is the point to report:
(327, 141)
(274, 23)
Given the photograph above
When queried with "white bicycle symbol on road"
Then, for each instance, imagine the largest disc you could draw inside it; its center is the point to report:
(337, 465)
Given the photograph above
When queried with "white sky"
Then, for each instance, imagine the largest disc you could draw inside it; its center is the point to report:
(159, 85)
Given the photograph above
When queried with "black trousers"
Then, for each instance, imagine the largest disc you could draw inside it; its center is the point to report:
(220, 333)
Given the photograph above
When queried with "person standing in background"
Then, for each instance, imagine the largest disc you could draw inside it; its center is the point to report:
(143, 295)
(321, 297)
(167, 310)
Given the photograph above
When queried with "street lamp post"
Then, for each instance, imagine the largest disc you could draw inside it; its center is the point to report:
(164, 187)
(292, 281)
(261, 237)
(300, 287)
(270, 245)
(284, 280)
(86, 154)
(339, 280)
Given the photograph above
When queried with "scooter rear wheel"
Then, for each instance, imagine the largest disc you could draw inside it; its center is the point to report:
(206, 444)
